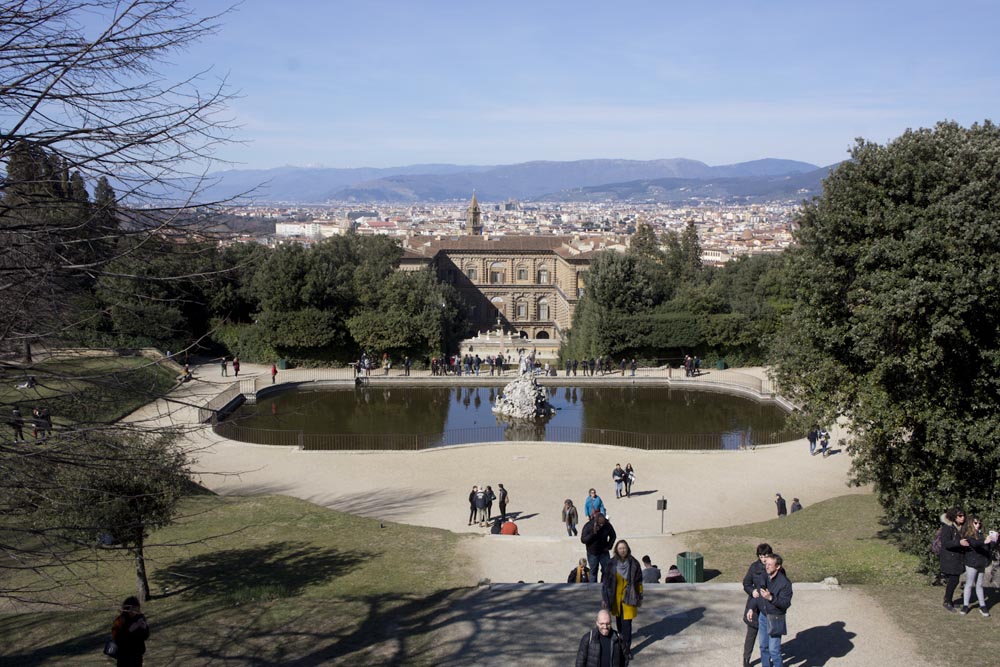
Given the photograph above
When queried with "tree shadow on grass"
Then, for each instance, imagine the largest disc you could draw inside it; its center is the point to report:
(391, 504)
(265, 572)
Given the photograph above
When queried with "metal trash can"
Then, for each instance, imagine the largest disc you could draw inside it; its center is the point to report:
(282, 364)
(721, 364)
(692, 566)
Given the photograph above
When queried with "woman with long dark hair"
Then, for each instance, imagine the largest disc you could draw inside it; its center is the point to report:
(976, 559)
(130, 632)
(621, 591)
(952, 555)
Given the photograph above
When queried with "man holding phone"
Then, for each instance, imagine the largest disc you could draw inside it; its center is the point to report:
(773, 600)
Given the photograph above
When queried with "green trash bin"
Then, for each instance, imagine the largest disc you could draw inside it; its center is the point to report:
(721, 364)
(282, 364)
(692, 566)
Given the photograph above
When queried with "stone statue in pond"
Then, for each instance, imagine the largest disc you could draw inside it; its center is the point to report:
(523, 398)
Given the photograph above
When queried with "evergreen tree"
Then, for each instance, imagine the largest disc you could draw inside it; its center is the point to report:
(896, 320)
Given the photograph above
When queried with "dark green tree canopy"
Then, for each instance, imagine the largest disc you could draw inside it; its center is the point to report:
(897, 319)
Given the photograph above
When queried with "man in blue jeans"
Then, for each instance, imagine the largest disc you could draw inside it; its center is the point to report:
(772, 602)
(599, 536)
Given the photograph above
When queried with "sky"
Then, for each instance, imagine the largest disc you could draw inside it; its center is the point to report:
(371, 83)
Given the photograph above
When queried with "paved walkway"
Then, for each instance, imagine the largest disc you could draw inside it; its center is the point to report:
(540, 627)
(694, 626)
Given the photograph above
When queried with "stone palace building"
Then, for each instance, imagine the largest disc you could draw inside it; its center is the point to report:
(529, 285)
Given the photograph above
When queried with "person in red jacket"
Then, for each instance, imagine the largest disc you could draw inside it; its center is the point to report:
(274, 372)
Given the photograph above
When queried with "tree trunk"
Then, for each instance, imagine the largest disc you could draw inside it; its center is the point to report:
(141, 582)
(27, 351)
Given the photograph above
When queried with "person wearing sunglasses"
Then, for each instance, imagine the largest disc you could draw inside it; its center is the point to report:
(976, 559)
(952, 555)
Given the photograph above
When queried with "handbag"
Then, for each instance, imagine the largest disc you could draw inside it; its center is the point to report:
(111, 649)
(776, 625)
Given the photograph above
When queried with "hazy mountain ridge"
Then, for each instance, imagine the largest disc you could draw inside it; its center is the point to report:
(750, 188)
(526, 181)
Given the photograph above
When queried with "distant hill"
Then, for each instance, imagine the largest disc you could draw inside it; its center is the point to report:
(728, 189)
(526, 181)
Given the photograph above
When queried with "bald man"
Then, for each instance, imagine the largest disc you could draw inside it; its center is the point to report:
(601, 647)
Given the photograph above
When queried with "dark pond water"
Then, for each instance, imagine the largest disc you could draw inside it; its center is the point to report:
(419, 417)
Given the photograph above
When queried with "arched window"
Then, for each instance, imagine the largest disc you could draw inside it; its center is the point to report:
(471, 273)
(543, 309)
(542, 335)
(543, 277)
(522, 273)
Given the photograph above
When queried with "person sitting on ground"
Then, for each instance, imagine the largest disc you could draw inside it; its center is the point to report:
(796, 505)
(30, 383)
(674, 576)
(579, 574)
(495, 526)
(650, 573)
(509, 527)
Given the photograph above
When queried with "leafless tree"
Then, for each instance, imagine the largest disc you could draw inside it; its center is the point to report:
(82, 100)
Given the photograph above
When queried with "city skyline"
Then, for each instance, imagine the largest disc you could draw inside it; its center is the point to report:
(389, 83)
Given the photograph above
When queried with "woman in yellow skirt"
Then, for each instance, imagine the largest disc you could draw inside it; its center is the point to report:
(621, 592)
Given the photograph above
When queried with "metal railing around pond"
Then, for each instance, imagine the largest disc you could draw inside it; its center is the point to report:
(210, 410)
(733, 440)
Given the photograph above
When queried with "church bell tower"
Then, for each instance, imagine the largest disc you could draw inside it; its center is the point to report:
(474, 226)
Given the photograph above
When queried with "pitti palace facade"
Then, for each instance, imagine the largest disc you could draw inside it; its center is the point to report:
(530, 284)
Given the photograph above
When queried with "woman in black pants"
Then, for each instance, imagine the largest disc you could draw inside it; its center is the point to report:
(952, 556)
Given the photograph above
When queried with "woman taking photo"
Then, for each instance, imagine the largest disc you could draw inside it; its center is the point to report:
(621, 592)
(977, 557)
(130, 632)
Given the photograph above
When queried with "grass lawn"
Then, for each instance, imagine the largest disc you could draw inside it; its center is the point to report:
(87, 389)
(844, 538)
(261, 580)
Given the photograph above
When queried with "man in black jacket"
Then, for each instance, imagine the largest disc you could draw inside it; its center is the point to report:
(772, 602)
(599, 536)
(601, 646)
(753, 581)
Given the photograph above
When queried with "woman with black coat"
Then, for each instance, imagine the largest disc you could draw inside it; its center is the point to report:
(977, 557)
(130, 632)
(952, 556)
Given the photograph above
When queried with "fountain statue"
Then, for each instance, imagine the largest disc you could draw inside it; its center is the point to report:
(523, 398)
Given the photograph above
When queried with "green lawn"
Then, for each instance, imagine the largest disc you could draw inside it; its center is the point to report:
(841, 538)
(88, 389)
(264, 578)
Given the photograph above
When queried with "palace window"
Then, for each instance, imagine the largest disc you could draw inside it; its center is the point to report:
(543, 310)
(543, 277)
(522, 311)
(497, 274)
(471, 273)
(522, 273)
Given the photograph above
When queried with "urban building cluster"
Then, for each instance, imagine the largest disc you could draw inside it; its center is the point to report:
(520, 268)
(725, 231)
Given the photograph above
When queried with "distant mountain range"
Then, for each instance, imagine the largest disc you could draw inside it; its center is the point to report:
(675, 179)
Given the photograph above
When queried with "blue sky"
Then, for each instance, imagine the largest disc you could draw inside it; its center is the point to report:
(370, 83)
